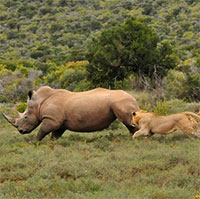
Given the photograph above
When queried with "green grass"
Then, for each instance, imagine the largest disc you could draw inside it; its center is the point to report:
(106, 164)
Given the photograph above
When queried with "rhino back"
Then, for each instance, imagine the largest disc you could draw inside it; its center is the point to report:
(85, 111)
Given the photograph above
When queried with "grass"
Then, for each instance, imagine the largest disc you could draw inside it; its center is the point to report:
(106, 164)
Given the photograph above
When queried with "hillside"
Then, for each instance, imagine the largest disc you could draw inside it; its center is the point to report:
(46, 41)
(59, 30)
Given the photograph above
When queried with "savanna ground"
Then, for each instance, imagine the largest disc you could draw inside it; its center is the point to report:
(106, 164)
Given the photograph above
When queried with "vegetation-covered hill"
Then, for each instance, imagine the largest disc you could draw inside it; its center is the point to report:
(38, 37)
(46, 42)
(59, 30)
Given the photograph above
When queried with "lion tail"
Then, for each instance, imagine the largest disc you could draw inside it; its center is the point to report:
(197, 117)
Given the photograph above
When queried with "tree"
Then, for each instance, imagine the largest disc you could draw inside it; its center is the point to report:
(132, 47)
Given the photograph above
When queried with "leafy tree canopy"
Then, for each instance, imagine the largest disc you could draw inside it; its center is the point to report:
(132, 47)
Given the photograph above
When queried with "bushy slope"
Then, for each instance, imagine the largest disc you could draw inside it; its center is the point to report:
(59, 30)
(39, 38)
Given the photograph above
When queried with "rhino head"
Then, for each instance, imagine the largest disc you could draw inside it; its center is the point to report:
(27, 121)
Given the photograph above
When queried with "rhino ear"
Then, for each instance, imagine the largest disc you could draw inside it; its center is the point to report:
(30, 94)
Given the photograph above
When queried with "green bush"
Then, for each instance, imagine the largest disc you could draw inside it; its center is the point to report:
(144, 101)
(192, 87)
(176, 105)
(161, 108)
(174, 81)
(71, 77)
(21, 107)
(3, 99)
(183, 85)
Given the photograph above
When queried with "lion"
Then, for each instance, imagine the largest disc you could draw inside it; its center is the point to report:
(151, 123)
(198, 112)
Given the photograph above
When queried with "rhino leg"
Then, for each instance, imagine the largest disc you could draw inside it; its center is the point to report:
(41, 134)
(57, 134)
(47, 126)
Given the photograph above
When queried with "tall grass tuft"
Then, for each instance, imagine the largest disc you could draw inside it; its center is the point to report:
(161, 107)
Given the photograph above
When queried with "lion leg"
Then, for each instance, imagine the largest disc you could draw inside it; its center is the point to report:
(197, 134)
(141, 132)
(189, 126)
(151, 133)
(189, 130)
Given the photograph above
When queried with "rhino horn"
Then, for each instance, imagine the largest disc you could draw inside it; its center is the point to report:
(9, 119)
(20, 114)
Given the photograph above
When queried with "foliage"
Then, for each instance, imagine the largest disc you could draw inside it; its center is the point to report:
(175, 81)
(21, 107)
(71, 76)
(107, 164)
(183, 85)
(16, 84)
(3, 99)
(28, 25)
(132, 47)
(192, 88)
(161, 108)
(151, 103)
(39, 36)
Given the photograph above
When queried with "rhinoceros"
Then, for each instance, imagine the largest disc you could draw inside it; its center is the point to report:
(57, 110)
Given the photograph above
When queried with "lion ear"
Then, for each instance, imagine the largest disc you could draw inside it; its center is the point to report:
(134, 113)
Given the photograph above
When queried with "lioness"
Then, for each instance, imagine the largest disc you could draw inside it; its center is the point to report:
(198, 112)
(151, 123)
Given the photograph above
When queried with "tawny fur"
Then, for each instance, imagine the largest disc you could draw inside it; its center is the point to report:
(151, 123)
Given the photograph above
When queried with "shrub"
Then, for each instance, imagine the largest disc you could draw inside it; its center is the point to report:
(21, 107)
(144, 101)
(174, 81)
(14, 85)
(192, 87)
(161, 108)
(183, 85)
(130, 48)
(3, 99)
(176, 105)
(71, 76)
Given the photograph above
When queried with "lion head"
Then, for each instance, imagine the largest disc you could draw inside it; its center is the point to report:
(136, 116)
